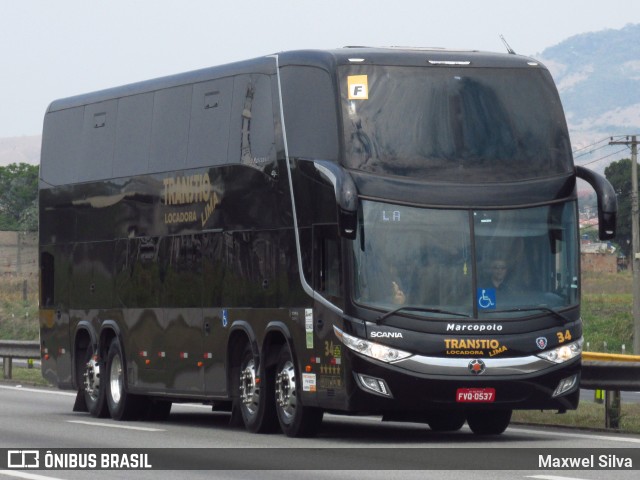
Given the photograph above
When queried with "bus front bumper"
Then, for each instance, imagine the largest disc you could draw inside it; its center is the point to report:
(420, 384)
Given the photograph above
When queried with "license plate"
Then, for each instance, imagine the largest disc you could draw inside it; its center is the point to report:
(476, 395)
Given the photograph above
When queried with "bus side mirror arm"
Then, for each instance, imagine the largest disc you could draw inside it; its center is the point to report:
(607, 202)
(346, 196)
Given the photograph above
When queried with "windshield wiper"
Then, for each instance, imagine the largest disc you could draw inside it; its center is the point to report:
(417, 309)
(533, 308)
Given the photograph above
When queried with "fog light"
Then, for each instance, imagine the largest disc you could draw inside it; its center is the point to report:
(565, 385)
(376, 385)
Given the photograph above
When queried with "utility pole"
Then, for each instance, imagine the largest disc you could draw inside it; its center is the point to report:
(635, 238)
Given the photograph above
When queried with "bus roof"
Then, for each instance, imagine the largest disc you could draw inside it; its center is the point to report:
(327, 59)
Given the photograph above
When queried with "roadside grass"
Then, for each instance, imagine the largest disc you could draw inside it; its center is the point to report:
(589, 415)
(19, 308)
(607, 301)
(27, 377)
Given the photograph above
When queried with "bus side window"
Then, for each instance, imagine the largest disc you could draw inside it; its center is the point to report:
(47, 280)
(328, 264)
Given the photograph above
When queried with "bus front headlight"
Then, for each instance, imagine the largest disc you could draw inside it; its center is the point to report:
(563, 353)
(380, 352)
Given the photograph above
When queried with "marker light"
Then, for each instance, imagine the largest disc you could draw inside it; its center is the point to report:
(563, 353)
(374, 384)
(565, 385)
(449, 62)
(370, 349)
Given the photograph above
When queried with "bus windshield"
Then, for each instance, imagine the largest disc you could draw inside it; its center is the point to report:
(466, 262)
(459, 124)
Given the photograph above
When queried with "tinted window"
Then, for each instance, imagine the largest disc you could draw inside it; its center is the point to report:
(471, 124)
(60, 146)
(170, 129)
(209, 128)
(133, 135)
(98, 141)
(253, 142)
(309, 104)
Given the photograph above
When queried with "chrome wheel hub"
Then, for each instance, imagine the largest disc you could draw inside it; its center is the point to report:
(286, 390)
(249, 390)
(92, 377)
(116, 379)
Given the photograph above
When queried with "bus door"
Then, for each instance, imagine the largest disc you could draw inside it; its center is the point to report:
(328, 282)
(55, 334)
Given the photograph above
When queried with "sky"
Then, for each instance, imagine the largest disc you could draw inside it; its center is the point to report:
(55, 49)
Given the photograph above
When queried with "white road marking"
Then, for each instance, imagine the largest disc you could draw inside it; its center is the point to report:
(111, 425)
(593, 436)
(21, 474)
(19, 388)
(552, 477)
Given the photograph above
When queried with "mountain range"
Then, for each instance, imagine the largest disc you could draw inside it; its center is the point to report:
(598, 77)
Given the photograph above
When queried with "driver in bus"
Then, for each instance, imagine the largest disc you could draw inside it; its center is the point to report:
(498, 275)
(397, 295)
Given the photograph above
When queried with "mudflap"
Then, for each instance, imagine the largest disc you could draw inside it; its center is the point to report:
(80, 405)
(235, 420)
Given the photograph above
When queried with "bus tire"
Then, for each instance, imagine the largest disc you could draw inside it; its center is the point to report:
(446, 421)
(296, 419)
(122, 405)
(88, 370)
(255, 401)
(489, 422)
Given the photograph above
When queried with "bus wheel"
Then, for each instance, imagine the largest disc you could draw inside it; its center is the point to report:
(255, 400)
(93, 391)
(489, 423)
(446, 421)
(296, 420)
(122, 405)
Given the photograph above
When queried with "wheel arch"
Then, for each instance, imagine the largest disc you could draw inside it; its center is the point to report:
(83, 336)
(240, 334)
(108, 331)
(277, 334)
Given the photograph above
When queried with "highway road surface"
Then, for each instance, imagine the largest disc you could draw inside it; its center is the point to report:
(361, 447)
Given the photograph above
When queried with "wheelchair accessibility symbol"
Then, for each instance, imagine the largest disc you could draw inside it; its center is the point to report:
(486, 298)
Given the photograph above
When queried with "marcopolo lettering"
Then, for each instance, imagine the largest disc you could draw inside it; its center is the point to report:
(474, 327)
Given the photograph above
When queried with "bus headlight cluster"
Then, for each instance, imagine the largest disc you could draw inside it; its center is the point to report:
(563, 353)
(371, 349)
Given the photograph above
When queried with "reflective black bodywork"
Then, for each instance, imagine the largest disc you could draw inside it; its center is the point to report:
(195, 217)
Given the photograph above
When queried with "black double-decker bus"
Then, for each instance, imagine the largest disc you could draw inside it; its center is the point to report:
(381, 231)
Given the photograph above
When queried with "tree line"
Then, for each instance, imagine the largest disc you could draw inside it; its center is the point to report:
(619, 175)
(19, 197)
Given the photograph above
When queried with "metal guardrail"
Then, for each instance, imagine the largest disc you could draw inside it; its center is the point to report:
(611, 373)
(10, 349)
(610, 357)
